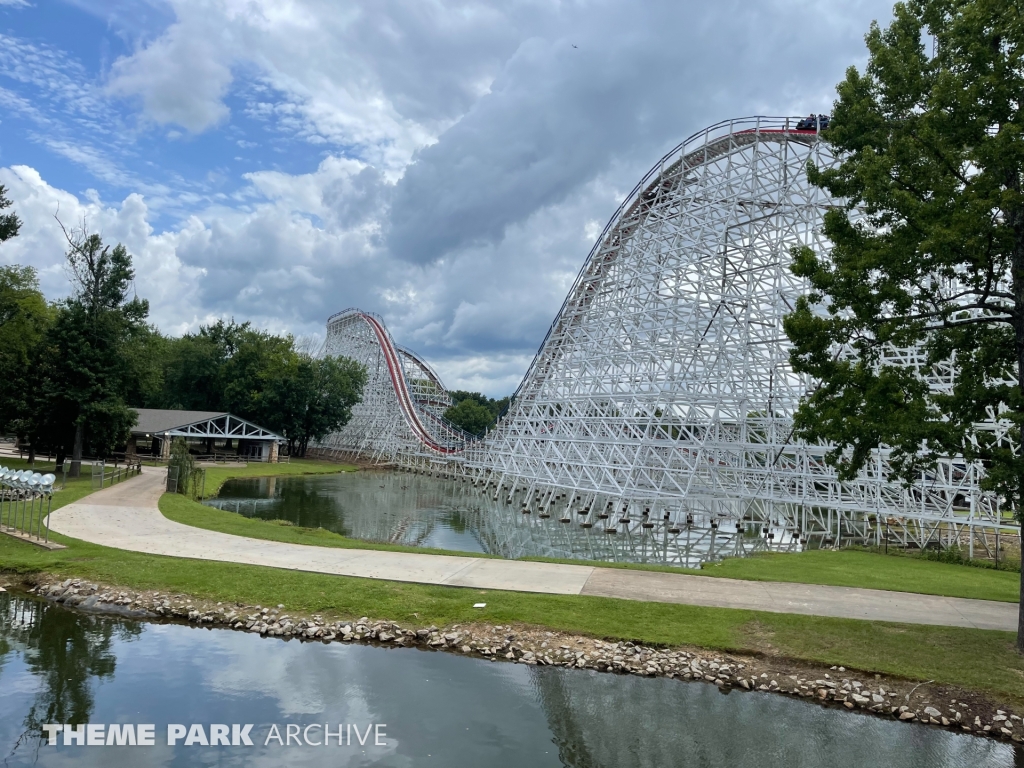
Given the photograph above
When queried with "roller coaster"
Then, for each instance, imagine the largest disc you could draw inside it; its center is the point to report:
(662, 394)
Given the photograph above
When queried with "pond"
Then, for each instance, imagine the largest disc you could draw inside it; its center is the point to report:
(423, 511)
(433, 708)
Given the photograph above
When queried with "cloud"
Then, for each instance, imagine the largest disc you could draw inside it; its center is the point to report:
(445, 164)
(181, 79)
(161, 277)
(558, 116)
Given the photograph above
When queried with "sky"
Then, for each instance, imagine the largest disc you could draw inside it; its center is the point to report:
(447, 165)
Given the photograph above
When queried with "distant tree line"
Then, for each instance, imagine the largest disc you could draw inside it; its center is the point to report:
(473, 412)
(71, 371)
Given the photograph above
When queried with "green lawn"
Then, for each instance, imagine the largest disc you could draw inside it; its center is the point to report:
(853, 568)
(176, 507)
(846, 568)
(217, 476)
(978, 659)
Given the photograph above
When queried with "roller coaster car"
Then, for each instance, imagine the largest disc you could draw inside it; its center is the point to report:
(813, 123)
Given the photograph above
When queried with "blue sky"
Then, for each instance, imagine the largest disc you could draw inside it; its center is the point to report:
(446, 164)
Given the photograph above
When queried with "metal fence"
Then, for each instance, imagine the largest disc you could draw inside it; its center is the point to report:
(103, 476)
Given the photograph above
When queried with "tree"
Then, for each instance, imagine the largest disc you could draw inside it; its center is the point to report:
(86, 373)
(335, 385)
(928, 250)
(24, 319)
(192, 367)
(248, 376)
(10, 224)
(470, 416)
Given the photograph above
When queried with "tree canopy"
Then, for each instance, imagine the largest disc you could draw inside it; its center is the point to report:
(74, 370)
(928, 250)
(474, 412)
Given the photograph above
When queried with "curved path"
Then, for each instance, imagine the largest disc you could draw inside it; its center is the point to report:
(127, 517)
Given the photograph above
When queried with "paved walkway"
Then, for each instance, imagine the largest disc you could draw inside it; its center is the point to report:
(126, 516)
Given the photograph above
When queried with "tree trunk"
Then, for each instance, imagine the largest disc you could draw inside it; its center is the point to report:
(76, 451)
(1020, 612)
(1015, 219)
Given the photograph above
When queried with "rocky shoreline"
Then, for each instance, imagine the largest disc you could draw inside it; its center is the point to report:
(936, 705)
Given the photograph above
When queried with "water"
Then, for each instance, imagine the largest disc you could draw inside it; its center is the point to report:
(438, 709)
(421, 511)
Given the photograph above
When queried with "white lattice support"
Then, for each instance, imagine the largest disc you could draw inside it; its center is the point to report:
(664, 382)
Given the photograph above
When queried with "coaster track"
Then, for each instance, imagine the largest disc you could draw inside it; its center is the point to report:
(662, 391)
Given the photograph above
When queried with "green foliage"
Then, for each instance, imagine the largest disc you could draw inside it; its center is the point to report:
(24, 319)
(325, 389)
(189, 476)
(956, 556)
(193, 367)
(9, 222)
(932, 157)
(473, 412)
(932, 154)
(471, 417)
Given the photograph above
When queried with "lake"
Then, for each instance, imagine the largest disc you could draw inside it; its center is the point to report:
(424, 511)
(436, 709)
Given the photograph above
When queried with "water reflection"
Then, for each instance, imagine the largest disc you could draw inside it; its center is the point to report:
(65, 654)
(422, 511)
(440, 709)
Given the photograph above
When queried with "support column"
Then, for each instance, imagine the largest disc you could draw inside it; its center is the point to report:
(165, 447)
(272, 456)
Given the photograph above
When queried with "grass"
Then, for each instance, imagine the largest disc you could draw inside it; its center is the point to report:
(976, 659)
(845, 568)
(181, 510)
(217, 476)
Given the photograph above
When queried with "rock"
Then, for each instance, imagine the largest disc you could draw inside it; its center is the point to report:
(908, 715)
(932, 712)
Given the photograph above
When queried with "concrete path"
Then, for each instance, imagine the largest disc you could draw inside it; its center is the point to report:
(126, 516)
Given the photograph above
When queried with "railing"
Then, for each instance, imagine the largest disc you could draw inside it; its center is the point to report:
(102, 478)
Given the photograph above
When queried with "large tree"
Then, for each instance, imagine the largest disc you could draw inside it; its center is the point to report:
(24, 319)
(87, 372)
(316, 396)
(928, 250)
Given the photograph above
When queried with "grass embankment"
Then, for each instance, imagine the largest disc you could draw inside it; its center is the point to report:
(845, 568)
(181, 510)
(975, 659)
(216, 476)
